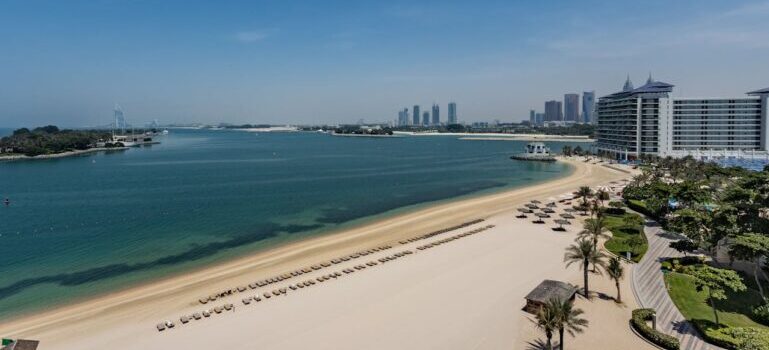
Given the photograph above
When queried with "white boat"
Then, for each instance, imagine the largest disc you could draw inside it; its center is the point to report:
(535, 151)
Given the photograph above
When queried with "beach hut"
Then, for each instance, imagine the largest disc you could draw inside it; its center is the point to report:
(546, 291)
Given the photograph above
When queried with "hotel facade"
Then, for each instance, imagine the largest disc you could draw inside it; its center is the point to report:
(648, 121)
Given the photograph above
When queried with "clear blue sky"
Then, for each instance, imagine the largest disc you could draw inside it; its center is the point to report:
(69, 62)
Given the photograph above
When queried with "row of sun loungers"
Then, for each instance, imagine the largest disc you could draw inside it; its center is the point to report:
(282, 291)
(455, 237)
(441, 231)
(311, 282)
(285, 276)
(184, 319)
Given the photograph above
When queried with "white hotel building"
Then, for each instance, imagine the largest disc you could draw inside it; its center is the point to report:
(648, 121)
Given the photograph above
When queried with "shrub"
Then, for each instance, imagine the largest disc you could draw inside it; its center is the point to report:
(761, 314)
(737, 338)
(640, 317)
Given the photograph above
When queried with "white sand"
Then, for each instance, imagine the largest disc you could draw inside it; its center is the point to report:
(465, 294)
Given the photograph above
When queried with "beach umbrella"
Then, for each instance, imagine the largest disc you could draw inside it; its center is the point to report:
(562, 222)
(548, 210)
(567, 216)
(570, 210)
(542, 215)
(551, 204)
(536, 201)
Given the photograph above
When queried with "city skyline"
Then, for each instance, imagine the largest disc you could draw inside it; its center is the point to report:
(309, 63)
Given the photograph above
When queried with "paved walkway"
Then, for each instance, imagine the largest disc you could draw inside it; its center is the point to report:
(650, 290)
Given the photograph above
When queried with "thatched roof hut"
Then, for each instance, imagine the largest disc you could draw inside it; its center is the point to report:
(547, 290)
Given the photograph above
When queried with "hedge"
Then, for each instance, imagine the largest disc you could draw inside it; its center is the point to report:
(640, 207)
(735, 338)
(640, 317)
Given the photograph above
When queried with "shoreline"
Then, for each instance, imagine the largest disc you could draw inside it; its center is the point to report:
(280, 242)
(160, 297)
(61, 155)
(500, 136)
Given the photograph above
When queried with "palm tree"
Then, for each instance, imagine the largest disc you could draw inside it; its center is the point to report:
(585, 253)
(616, 272)
(602, 195)
(594, 229)
(568, 318)
(595, 208)
(547, 321)
(584, 192)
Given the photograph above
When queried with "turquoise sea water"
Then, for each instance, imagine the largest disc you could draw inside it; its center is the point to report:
(86, 225)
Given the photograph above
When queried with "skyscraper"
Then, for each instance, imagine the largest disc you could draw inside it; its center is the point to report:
(452, 113)
(401, 117)
(436, 115)
(571, 107)
(532, 117)
(588, 106)
(553, 111)
(426, 118)
(416, 115)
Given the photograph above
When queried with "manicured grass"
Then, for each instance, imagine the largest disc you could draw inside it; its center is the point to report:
(620, 233)
(694, 305)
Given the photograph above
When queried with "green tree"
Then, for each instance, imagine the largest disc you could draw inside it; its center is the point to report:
(594, 229)
(634, 242)
(584, 192)
(751, 247)
(616, 272)
(715, 281)
(547, 320)
(602, 195)
(692, 224)
(568, 318)
(567, 151)
(585, 254)
(683, 246)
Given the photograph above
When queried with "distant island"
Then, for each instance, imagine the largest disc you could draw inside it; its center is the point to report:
(358, 130)
(49, 141)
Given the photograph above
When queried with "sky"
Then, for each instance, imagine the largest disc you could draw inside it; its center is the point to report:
(287, 62)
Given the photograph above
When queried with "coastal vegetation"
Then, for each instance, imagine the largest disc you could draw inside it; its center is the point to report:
(49, 140)
(584, 253)
(722, 217)
(357, 130)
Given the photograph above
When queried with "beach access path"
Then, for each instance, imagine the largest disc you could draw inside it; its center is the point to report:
(651, 292)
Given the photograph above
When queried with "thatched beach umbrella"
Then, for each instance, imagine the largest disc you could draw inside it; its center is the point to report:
(567, 216)
(542, 215)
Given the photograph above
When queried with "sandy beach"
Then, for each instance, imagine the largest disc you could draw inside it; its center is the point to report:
(464, 294)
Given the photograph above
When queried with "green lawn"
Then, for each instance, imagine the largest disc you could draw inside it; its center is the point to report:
(694, 305)
(620, 233)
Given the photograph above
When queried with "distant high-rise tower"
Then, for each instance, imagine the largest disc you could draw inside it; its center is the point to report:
(452, 113)
(553, 111)
(415, 115)
(120, 122)
(571, 107)
(436, 115)
(426, 118)
(588, 106)
(532, 117)
(403, 117)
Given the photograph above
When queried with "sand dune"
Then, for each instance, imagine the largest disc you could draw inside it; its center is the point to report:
(465, 294)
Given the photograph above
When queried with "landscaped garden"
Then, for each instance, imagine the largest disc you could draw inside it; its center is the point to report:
(627, 235)
(719, 212)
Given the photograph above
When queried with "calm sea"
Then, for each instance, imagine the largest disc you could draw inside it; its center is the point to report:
(86, 225)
